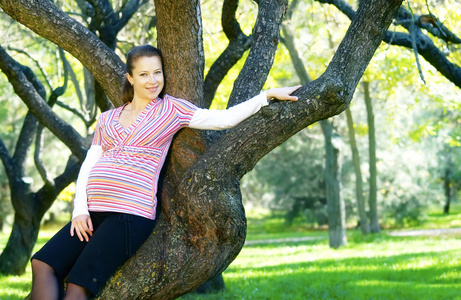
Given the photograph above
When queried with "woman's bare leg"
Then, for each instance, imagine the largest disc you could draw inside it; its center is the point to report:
(45, 284)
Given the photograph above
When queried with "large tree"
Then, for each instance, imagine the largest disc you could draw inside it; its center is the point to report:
(202, 225)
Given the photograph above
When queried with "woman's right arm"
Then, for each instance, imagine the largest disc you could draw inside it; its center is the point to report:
(228, 118)
(81, 221)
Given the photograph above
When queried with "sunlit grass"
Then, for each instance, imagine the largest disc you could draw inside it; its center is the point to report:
(382, 267)
(437, 219)
(376, 266)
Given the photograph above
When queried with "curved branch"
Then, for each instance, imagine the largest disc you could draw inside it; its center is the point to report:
(238, 44)
(7, 161)
(103, 12)
(37, 63)
(44, 18)
(343, 6)
(265, 38)
(426, 47)
(127, 11)
(39, 107)
(49, 182)
(25, 140)
(47, 195)
(30, 123)
(74, 111)
(430, 52)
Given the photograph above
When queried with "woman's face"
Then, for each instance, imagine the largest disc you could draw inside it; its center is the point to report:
(147, 78)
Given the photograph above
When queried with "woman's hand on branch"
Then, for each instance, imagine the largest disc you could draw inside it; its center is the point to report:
(83, 227)
(283, 93)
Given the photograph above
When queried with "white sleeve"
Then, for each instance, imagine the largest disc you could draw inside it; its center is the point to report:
(80, 200)
(224, 119)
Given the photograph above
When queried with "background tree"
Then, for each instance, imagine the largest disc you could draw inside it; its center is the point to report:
(335, 204)
(364, 224)
(373, 192)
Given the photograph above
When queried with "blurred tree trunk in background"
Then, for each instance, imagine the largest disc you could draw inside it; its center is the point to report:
(335, 203)
(363, 218)
(448, 188)
(373, 193)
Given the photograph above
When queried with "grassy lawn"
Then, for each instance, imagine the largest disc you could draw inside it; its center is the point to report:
(377, 266)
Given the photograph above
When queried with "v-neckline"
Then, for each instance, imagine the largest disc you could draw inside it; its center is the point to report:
(138, 120)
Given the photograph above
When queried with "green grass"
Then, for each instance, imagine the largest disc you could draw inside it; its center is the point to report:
(377, 266)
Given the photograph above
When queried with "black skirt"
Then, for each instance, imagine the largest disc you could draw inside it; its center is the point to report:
(116, 237)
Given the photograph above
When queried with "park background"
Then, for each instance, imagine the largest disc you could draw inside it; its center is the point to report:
(415, 119)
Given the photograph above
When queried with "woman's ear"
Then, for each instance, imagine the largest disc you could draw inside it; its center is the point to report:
(129, 78)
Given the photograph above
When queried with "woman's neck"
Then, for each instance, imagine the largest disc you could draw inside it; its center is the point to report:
(138, 104)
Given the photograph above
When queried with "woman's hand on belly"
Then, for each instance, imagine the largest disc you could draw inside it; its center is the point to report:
(83, 227)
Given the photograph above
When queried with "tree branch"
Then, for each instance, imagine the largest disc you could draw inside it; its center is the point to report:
(37, 63)
(39, 107)
(49, 183)
(48, 195)
(44, 18)
(329, 95)
(127, 11)
(265, 38)
(238, 44)
(103, 13)
(7, 161)
(24, 141)
(425, 45)
(75, 112)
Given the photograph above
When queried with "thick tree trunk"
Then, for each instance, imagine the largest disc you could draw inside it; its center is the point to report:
(363, 218)
(44, 18)
(29, 210)
(373, 196)
(16, 254)
(335, 203)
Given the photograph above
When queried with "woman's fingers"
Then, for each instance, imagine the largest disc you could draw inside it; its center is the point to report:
(83, 227)
(283, 93)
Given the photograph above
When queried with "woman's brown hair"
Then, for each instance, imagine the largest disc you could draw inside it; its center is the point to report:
(131, 57)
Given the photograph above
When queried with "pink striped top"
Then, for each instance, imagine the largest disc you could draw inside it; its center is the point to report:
(125, 178)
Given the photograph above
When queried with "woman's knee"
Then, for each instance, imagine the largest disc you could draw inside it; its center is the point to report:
(74, 291)
(40, 267)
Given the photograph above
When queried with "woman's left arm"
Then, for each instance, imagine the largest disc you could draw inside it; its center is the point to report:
(224, 119)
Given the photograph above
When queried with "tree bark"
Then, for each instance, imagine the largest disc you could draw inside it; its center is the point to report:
(363, 218)
(373, 193)
(202, 226)
(29, 210)
(238, 44)
(45, 19)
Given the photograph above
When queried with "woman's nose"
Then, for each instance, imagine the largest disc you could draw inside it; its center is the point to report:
(152, 79)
